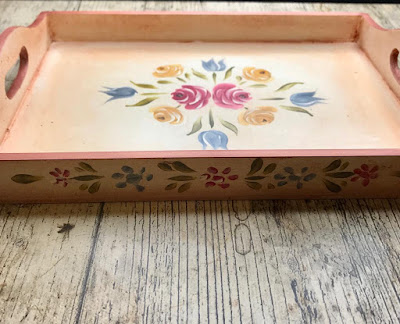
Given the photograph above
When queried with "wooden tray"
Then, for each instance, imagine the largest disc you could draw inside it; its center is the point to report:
(149, 106)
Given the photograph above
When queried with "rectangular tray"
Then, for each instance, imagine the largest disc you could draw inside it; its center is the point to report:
(123, 106)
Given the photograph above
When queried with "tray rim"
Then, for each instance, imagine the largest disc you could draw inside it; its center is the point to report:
(275, 153)
(115, 155)
(5, 34)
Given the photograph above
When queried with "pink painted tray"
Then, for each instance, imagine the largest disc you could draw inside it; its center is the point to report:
(149, 106)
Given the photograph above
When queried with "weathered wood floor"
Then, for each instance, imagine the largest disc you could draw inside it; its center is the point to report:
(189, 262)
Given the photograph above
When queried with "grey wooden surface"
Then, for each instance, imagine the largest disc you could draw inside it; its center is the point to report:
(197, 262)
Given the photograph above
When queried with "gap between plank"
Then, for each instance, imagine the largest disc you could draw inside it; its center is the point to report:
(92, 251)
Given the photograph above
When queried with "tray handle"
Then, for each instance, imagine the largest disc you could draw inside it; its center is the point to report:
(29, 44)
(382, 47)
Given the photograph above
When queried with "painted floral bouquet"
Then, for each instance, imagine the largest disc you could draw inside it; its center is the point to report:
(229, 91)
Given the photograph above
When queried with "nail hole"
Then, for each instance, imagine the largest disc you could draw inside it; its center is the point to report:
(15, 76)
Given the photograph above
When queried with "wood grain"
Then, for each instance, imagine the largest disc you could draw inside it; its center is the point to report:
(200, 261)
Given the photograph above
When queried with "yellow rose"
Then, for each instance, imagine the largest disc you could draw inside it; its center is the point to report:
(167, 114)
(167, 71)
(259, 75)
(261, 116)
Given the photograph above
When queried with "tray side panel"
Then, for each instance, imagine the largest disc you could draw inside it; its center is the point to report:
(201, 178)
(36, 41)
(219, 27)
(378, 44)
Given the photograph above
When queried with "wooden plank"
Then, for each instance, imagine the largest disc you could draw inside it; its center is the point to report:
(42, 271)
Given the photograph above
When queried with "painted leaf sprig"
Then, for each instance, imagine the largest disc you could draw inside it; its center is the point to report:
(164, 82)
(143, 102)
(256, 166)
(228, 73)
(296, 109)
(176, 165)
(199, 75)
(288, 86)
(25, 178)
(196, 126)
(180, 167)
(335, 170)
(144, 85)
(229, 125)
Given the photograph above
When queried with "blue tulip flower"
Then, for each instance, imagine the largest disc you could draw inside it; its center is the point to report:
(212, 66)
(305, 99)
(118, 93)
(214, 138)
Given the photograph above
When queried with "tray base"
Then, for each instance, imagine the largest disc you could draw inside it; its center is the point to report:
(65, 110)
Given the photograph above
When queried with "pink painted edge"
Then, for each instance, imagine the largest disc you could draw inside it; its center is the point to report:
(197, 154)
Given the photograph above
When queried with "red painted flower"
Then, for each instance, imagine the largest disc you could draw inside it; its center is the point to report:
(61, 176)
(226, 95)
(221, 180)
(366, 174)
(193, 97)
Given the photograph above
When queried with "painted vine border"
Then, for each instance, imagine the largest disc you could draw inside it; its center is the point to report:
(180, 177)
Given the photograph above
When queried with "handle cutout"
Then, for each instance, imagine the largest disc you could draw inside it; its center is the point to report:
(394, 64)
(16, 74)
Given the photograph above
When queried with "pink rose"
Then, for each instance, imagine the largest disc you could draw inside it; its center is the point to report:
(193, 97)
(225, 95)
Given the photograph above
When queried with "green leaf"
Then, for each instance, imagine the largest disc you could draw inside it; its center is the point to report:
(117, 175)
(211, 118)
(238, 78)
(154, 93)
(214, 77)
(187, 76)
(296, 109)
(340, 174)
(87, 178)
(199, 75)
(344, 166)
(274, 98)
(164, 82)
(255, 166)
(83, 186)
(25, 178)
(243, 82)
(269, 168)
(182, 178)
(184, 187)
(181, 167)
(94, 187)
(164, 166)
(228, 73)
(180, 79)
(196, 126)
(171, 186)
(258, 85)
(332, 166)
(143, 102)
(228, 125)
(333, 187)
(254, 185)
(87, 167)
(144, 85)
(287, 86)
(255, 178)
(78, 169)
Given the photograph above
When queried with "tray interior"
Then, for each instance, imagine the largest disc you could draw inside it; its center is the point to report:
(264, 96)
